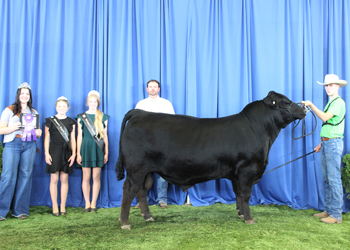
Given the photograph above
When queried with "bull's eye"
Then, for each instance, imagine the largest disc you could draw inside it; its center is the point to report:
(273, 102)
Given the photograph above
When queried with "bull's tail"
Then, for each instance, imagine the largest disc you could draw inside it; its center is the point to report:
(120, 167)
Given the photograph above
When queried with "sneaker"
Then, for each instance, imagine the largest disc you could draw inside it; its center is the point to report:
(330, 220)
(321, 215)
(163, 205)
(2, 219)
(137, 206)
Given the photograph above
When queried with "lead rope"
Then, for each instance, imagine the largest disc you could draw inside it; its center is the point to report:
(307, 109)
(289, 162)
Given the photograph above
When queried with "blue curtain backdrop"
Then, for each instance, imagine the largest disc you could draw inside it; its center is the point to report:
(211, 57)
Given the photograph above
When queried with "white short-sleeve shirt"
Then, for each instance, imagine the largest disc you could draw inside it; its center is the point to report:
(9, 117)
(157, 105)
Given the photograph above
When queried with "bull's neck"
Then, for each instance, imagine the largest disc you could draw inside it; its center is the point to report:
(259, 115)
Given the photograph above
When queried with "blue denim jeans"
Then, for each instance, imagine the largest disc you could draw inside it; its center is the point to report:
(331, 152)
(16, 178)
(162, 190)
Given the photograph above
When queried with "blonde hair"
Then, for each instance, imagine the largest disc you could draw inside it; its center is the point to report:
(66, 101)
(98, 116)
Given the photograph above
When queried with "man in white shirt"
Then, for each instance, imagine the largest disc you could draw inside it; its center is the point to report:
(154, 103)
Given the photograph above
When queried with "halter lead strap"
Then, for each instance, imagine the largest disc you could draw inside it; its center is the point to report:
(327, 123)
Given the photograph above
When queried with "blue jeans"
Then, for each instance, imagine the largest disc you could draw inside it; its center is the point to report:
(331, 152)
(162, 190)
(16, 178)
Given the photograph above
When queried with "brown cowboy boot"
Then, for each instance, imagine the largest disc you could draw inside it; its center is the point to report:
(330, 220)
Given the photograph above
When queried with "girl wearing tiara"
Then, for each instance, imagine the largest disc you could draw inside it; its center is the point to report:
(18, 156)
(92, 147)
(60, 152)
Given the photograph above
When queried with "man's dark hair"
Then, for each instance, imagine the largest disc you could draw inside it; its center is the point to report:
(153, 81)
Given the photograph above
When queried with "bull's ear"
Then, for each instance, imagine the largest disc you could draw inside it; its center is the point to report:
(270, 102)
(272, 93)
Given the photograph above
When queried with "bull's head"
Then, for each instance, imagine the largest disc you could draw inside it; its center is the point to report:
(288, 110)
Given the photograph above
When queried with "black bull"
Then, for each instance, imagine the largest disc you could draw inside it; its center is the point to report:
(185, 150)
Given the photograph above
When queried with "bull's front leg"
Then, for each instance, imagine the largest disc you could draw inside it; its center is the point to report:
(128, 196)
(238, 201)
(245, 197)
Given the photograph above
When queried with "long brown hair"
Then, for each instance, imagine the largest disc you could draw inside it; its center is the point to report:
(17, 108)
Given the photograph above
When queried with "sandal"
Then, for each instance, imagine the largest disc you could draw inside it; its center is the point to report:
(87, 210)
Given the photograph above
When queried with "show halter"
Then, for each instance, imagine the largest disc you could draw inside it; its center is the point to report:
(306, 110)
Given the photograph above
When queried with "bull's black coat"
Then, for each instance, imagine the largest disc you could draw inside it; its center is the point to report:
(185, 150)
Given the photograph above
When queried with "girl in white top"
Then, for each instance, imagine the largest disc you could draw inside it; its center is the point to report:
(18, 157)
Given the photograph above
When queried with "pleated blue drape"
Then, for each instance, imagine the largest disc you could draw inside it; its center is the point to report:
(211, 57)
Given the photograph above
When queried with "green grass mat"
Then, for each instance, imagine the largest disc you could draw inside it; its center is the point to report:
(178, 227)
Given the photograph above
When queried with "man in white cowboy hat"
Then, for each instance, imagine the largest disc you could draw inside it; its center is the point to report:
(331, 148)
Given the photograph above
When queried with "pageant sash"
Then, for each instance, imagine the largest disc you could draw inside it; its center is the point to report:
(92, 130)
(60, 127)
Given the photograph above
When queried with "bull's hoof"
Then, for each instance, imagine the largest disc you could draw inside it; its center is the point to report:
(249, 221)
(126, 227)
(149, 219)
(241, 216)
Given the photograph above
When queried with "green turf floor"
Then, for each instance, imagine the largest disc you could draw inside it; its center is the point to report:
(178, 227)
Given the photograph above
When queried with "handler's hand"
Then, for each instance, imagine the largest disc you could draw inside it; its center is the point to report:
(318, 148)
(48, 159)
(306, 103)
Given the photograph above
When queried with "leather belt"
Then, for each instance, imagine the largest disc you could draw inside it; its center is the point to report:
(326, 139)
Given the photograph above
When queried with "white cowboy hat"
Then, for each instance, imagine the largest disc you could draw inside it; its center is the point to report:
(331, 78)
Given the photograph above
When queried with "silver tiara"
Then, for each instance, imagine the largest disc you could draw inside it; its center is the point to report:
(62, 98)
(24, 85)
(94, 92)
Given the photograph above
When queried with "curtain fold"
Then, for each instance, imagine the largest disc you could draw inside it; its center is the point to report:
(212, 58)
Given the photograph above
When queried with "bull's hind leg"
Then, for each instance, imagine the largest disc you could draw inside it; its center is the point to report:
(142, 197)
(129, 192)
(240, 207)
(238, 201)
